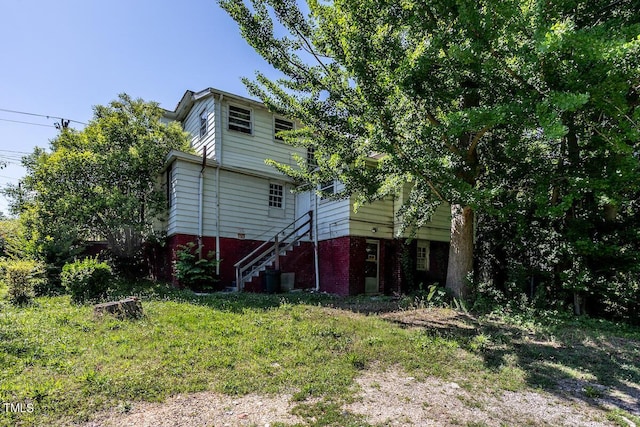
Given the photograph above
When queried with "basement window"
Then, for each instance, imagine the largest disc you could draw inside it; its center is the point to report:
(422, 256)
(240, 119)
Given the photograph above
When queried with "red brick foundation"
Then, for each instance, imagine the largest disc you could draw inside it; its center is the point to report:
(341, 263)
(298, 261)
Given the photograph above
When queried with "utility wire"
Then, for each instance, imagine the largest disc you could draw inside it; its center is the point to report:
(40, 115)
(12, 151)
(27, 123)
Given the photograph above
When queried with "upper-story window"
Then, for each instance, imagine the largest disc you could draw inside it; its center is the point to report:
(311, 157)
(203, 123)
(279, 125)
(240, 119)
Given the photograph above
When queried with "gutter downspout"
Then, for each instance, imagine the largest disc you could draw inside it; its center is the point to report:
(315, 242)
(219, 158)
(201, 200)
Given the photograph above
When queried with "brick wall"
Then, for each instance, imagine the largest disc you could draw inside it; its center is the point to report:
(334, 258)
(298, 261)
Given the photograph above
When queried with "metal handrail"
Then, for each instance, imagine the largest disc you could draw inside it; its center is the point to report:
(272, 248)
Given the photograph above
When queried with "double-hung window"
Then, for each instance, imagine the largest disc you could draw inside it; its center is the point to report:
(422, 256)
(240, 119)
(203, 123)
(311, 157)
(328, 188)
(276, 196)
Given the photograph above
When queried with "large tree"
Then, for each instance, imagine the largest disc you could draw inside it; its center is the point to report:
(101, 182)
(451, 94)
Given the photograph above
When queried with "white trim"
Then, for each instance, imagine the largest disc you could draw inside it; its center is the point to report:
(251, 119)
(281, 118)
(422, 262)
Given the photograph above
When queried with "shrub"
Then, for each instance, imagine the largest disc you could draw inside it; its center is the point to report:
(197, 273)
(86, 280)
(22, 277)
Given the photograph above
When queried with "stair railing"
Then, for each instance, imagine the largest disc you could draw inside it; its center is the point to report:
(271, 250)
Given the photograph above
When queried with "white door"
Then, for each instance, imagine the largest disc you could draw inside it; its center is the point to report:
(372, 268)
(303, 205)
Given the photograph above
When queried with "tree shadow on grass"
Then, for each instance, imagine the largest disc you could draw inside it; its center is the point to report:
(574, 360)
(237, 302)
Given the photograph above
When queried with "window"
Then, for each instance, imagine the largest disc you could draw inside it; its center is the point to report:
(240, 119)
(203, 123)
(422, 256)
(170, 189)
(311, 157)
(281, 125)
(276, 196)
(328, 188)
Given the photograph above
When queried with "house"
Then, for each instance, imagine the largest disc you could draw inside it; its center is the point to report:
(229, 201)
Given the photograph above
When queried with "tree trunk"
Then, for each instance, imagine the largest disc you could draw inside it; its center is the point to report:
(460, 251)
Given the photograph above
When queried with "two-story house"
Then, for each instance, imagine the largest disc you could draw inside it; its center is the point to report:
(229, 201)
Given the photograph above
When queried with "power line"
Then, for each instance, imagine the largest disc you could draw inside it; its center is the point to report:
(12, 151)
(40, 115)
(27, 123)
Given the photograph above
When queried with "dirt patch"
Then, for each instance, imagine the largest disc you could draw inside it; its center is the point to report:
(390, 398)
(203, 409)
(394, 399)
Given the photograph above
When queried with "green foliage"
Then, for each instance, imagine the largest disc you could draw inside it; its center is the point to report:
(194, 271)
(12, 241)
(23, 279)
(98, 183)
(87, 280)
(523, 111)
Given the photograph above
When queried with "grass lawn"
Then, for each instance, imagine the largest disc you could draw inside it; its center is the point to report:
(66, 364)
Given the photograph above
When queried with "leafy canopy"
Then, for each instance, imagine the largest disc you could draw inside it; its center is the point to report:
(457, 98)
(101, 182)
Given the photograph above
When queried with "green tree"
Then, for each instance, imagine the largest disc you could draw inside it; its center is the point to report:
(451, 95)
(101, 182)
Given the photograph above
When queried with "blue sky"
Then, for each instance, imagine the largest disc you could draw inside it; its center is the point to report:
(61, 58)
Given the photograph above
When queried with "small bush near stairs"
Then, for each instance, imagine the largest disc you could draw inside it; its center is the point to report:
(196, 272)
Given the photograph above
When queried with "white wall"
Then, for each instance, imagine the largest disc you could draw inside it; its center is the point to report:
(244, 207)
(250, 151)
(191, 124)
(183, 214)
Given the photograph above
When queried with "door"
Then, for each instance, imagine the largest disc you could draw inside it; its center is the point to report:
(303, 206)
(372, 267)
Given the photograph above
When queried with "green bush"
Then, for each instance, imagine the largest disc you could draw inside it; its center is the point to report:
(86, 280)
(22, 278)
(195, 272)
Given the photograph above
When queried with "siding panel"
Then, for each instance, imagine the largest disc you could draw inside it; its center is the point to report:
(192, 125)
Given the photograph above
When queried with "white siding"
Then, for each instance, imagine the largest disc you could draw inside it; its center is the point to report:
(333, 216)
(244, 207)
(439, 228)
(183, 214)
(250, 151)
(378, 215)
(191, 124)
